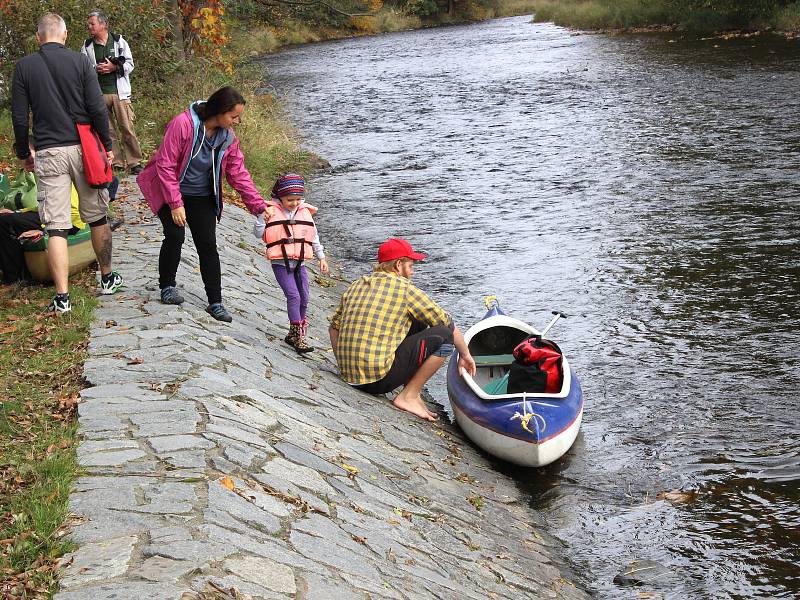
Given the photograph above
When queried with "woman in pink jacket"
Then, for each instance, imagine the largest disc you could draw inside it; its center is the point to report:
(182, 184)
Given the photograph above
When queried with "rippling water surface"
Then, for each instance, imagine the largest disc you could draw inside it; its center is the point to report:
(647, 186)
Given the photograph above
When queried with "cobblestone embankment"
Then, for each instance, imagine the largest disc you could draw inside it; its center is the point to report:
(219, 464)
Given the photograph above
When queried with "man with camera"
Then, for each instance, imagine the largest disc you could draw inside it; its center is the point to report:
(110, 56)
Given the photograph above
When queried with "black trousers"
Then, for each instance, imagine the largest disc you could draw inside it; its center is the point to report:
(201, 219)
(12, 257)
(409, 356)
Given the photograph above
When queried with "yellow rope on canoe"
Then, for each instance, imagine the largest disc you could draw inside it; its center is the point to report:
(487, 302)
(525, 419)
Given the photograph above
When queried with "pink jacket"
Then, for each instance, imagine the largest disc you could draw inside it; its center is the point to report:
(160, 179)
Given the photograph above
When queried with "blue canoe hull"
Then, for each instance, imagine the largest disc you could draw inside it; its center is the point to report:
(525, 429)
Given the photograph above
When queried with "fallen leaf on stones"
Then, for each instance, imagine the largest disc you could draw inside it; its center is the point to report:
(110, 323)
(403, 513)
(10, 329)
(227, 482)
(136, 361)
(324, 281)
(351, 471)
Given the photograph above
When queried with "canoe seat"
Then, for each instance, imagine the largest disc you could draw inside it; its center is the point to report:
(493, 360)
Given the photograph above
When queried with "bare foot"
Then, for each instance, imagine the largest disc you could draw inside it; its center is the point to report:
(415, 406)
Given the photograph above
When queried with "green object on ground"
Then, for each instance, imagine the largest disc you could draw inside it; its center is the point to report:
(5, 186)
(21, 194)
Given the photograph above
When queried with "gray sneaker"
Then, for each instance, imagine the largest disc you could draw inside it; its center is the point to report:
(219, 312)
(170, 295)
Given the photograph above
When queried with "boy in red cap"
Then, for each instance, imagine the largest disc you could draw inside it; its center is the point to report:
(386, 332)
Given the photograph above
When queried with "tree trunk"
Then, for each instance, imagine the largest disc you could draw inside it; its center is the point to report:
(176, 20)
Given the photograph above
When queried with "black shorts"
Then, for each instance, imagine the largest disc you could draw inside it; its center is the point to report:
(408, 358)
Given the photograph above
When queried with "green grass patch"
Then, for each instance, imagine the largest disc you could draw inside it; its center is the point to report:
(510, 8)
(41, 360)
(788, 18)
(603, 14)
(679, 14)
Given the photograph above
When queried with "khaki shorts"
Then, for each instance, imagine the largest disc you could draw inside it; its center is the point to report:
(57, 170)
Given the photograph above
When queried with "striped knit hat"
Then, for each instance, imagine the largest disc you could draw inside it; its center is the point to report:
(289, 183)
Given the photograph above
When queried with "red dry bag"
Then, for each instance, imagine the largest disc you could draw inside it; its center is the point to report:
(546, 355)
(96, 167)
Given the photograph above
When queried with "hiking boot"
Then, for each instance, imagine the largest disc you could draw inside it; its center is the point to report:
(59, 304)
(300, 344)
(294, 332)
(136, 169)
(171, 295)
(219, 312)
(110, 283)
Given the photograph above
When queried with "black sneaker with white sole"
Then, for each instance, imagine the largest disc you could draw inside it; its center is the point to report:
(110, 283)
(59, 304)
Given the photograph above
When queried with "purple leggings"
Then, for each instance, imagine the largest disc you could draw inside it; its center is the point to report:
(294, 284)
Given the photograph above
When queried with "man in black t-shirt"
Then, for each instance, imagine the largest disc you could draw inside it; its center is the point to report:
(43, 83)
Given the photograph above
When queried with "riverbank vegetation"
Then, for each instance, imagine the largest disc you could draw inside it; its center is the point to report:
(691, 15)
(41, 361)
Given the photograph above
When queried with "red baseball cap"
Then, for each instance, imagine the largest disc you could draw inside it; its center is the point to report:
(395, 248)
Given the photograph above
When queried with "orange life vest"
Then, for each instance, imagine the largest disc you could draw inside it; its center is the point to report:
(290, 239)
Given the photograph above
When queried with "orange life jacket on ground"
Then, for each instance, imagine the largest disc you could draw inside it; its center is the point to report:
(290, 239)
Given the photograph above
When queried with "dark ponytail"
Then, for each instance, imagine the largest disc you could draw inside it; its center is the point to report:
(223, 100)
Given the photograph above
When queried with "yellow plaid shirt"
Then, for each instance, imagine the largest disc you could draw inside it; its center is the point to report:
(373, 318)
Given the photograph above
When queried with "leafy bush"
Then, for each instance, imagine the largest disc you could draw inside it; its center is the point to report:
(143, 23)
(788, 18)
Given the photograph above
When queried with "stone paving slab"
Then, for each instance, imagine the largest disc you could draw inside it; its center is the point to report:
(215, 458)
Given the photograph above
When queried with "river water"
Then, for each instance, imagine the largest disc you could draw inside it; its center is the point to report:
(647, 185)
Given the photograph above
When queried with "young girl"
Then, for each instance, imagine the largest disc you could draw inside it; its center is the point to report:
(291, 237)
